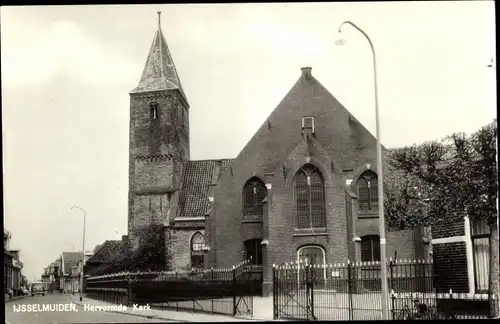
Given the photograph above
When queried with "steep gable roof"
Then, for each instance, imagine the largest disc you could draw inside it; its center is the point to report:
(338, 131)
(106, 251)
(197, 179)
(159, 71)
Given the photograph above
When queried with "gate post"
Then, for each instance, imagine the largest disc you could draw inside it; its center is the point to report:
(349, 289)
(391, 271)
(311, 292)
(275, 307)
(234, 291)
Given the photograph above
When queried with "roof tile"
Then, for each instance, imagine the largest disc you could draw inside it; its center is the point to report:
(106, 251)
(193, 200)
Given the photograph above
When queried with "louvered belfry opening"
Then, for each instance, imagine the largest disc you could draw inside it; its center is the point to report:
(370, 248)
(254, 192)
(197, 243)
(310, 198)
(368, 192)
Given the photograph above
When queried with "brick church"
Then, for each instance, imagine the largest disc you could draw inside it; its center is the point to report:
(304, 186)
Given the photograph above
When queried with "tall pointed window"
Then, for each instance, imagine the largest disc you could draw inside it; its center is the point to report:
(254, 191)
(154, 110)
(197, 243)
(368, 192)
(310, 198)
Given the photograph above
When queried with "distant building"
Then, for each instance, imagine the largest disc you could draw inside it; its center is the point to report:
(70, 270)
(104, 254)
(50, 276)
(12, 267)
(46, 278)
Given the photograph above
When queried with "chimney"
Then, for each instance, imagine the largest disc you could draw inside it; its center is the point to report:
(306, 71)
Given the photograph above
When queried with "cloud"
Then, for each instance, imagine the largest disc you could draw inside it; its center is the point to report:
(64, 50)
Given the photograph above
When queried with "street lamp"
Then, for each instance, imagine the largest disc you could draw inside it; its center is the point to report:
(380, 177)
(70, 244)
(83, 250)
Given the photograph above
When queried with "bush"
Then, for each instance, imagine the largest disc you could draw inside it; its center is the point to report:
(148, 255)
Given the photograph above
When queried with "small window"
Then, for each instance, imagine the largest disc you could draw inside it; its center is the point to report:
(370, 248)
(308, 123)
(154, 110)
(185, 119)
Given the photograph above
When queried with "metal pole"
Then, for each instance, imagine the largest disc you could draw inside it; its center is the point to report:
(380, 178)
(83, 251)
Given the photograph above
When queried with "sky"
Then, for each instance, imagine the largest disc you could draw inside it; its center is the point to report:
(67, 72)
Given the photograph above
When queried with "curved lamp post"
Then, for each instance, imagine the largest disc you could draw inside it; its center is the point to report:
(83, 250)
(70, 244)
(380, 177)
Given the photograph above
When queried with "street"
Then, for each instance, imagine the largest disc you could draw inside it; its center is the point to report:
(69, 313)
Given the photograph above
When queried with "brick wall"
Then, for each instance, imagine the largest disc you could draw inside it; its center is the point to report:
(157, 149)
(150, 209)
(448, 230)
(450, 266)
(340, 143)
(178, 245)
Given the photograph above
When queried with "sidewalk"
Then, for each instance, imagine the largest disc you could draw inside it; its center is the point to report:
(7, 300)
(166, 315)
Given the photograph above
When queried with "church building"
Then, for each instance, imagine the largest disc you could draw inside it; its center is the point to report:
(304, 186)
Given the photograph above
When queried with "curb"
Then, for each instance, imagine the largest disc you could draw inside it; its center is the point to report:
(138, 315)
(14, 298)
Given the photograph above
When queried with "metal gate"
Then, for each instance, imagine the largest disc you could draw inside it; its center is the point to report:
(293, 292)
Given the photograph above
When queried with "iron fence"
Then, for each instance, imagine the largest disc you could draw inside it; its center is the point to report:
(218, 291)
(352, 291)
(440, 306)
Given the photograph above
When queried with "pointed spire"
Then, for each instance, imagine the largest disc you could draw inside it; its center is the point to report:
(159, 71)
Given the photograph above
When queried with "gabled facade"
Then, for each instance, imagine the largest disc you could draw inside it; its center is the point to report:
(69, 271)
(304, 186)
(315, 166)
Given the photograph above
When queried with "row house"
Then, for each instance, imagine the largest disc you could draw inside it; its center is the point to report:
(12, 267)
(69, 274)
(50, 275)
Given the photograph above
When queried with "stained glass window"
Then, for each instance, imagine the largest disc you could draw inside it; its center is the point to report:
(368, 192)
(254, 192)
(310, 198)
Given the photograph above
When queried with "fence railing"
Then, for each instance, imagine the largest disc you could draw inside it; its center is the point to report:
(352, 291)
(440, 306)
(227, 291)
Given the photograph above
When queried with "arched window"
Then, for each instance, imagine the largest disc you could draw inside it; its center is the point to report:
(310, 198)
(254, 191)
(154, 110)
(253, 249)
(314, 255)
(370, 248)
(368, 192)
(197, 243)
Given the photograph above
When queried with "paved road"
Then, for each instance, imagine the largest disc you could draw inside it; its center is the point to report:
(73, 314)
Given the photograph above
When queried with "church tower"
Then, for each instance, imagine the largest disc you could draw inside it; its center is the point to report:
(159, 139)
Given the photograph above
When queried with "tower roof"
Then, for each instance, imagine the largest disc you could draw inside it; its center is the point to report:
(159, 72)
